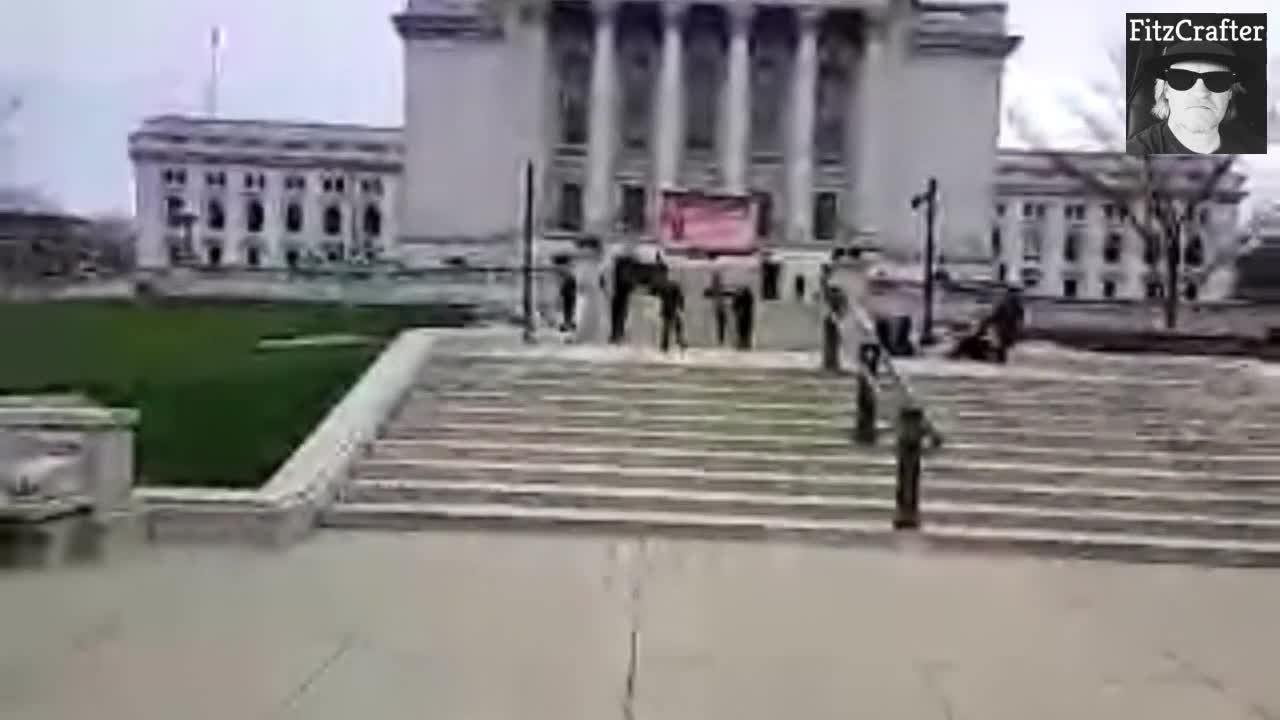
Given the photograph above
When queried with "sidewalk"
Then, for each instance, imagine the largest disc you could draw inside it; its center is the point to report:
(510, 625)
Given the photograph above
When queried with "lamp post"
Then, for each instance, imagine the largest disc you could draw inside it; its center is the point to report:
(928, 198)
(528, 253)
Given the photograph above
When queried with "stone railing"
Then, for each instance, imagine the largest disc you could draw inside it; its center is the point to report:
(55, 450)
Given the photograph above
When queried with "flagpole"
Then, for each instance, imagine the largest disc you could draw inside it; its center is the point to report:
(211, 100)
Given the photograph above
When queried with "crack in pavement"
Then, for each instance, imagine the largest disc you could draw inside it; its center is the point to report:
(344, 645)
(1196, 673)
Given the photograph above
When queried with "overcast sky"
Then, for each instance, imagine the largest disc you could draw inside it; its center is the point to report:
(91, 70)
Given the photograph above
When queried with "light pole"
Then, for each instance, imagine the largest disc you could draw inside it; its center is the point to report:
(929, 198)
(528, 253)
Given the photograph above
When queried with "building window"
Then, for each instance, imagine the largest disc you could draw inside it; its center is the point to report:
(1033, 210)
(1194, 254)
(215, 254)
(1109, 289)
(332, 220)
(339, 185)
(1192, 292)
(1150, 251)
(372, 221)
(1030, 277)
(1032, 244)
(1000, 209)
(1112, 248)
(997, 244)
(635, 76)
(217, 215)
(799, 284)
(824, 216)
(372, 186)
(254, 180)
(175, 177)
(764, 214)
(254, 216)
(295, 182)
(1154, 289)
(252, 255)
(215, 179)
(633, 202)
(291, 257)
(293, 217)
(1074, 212)
(573, 70)
(1071, 247)
(173, 206)
(333, 252)
(703, 76)
(569, 216)
(1070, 287)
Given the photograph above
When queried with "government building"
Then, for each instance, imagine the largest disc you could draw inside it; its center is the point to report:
(824, 120)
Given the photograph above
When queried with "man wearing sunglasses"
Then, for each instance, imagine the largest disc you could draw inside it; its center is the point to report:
(1196, 84)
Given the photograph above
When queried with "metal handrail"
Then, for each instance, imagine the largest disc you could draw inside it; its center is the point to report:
(906, 397)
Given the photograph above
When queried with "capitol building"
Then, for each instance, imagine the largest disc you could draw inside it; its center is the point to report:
(825, 118)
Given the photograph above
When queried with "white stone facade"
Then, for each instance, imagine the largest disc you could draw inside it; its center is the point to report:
(833, 115)
(264, 194)
(1061, 241)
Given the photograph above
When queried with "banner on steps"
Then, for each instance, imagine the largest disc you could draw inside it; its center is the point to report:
(708, 223)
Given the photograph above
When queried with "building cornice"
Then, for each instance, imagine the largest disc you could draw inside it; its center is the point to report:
(475, 25)
(266, 161)
(934, 42)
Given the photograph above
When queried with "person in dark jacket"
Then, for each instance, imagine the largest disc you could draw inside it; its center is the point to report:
(671, 308)
(744, 302)
(620, 300)
(718, 295)
(1007, 321)
(568, 300)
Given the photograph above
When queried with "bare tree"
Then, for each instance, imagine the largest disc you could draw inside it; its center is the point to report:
(1157, 196)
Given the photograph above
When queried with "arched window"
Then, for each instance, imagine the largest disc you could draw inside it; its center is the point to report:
(637, 71)
(704, 69)
(573, 44)
(1111, 249)
(293, 217)
(332, 220)
(768, 85)
(372, 221)
(217, 215)
(1194, 254)
(254, 216)
(834, 58)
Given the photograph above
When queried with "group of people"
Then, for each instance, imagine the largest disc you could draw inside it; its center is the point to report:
(630, 276)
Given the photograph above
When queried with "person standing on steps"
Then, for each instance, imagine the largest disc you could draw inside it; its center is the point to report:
(620, 300)
(717, 294)
(744, 302)
(1007, 320)
(568, 300)
(671, 308)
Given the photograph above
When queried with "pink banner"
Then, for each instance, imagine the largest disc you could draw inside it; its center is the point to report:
(724, 224)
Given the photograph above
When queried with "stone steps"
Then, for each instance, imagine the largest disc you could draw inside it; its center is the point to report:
(1109, 546)
(393, 458)
(428, 476)
(837, 442)
(1115, 461)
(419, 422)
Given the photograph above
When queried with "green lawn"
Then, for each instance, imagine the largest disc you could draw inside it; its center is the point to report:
(215, 411)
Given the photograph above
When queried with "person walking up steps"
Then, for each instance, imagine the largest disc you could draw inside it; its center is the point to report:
(671, 308)
(568, 300)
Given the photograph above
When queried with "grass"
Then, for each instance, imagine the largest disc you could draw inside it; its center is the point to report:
(214, 410)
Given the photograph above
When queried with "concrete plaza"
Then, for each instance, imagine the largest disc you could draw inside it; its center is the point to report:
(517, 625)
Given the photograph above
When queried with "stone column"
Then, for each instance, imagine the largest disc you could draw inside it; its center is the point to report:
(800, 131)
(737, 98)
(602, 134)
(669, 130)
(870, 79)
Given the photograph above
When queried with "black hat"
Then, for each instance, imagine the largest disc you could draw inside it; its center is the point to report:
(1197, 50)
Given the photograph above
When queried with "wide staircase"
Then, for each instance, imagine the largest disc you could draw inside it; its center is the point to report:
(1061, 453)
